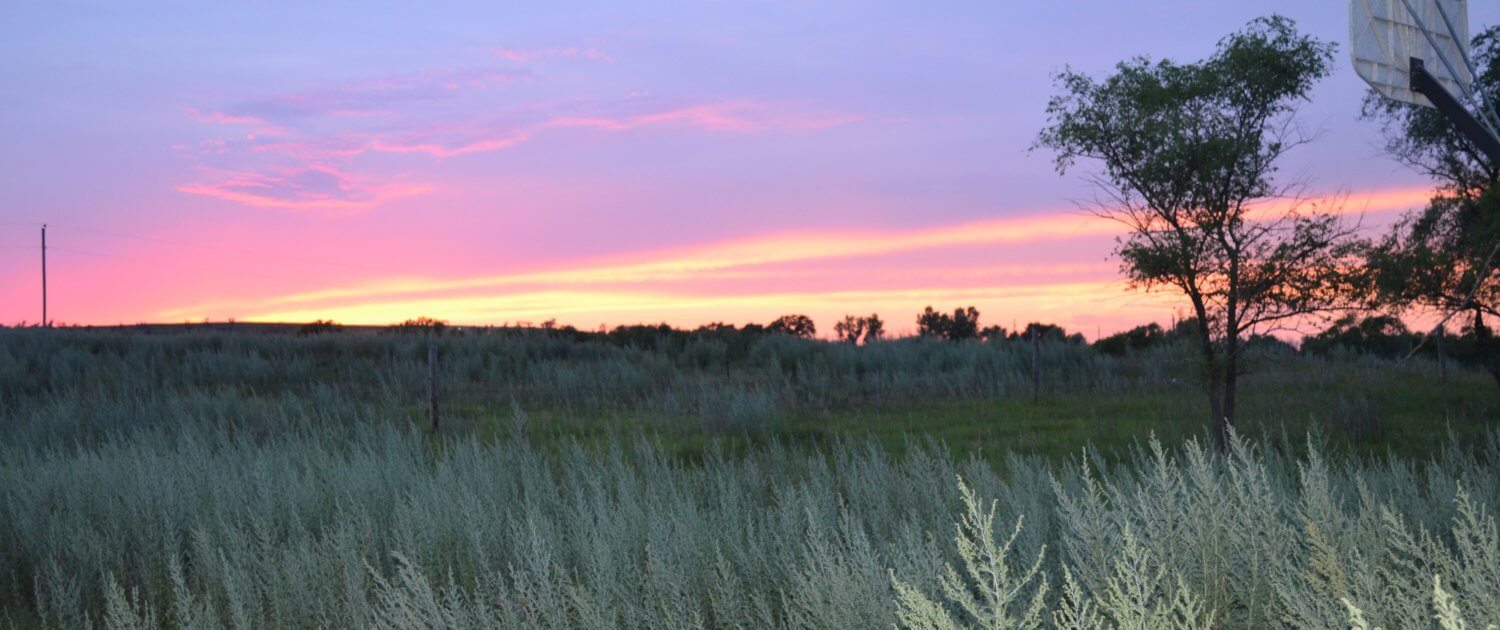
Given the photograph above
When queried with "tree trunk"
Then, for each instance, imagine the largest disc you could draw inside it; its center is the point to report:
(1217, 425)
(1214, 385)
(1226, 414)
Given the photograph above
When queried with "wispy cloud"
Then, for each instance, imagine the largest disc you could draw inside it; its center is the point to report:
(258, 125)
(701, 260)
(524, 55)
(438, 113)
(741, 116)
(452, 140)
(739, 272)
(693, 309)
(377, 95)
(314, 188)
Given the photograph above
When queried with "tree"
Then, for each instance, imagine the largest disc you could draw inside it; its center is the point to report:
(874, 328)
(1380, 335)
(962, 324)
(318, 327)
(421, 324)
(1187, 150)
(1135, 339)
(850, 329)
(931, 323)
(1443, 258)
(965, 324)
(795, 325)
(854, 328)
(1048, 332)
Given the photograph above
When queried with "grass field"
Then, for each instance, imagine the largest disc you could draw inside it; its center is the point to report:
(230, 479)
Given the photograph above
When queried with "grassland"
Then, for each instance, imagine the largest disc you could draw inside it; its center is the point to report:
(210, 480)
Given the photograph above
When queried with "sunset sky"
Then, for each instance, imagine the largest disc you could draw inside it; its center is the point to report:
(598, 163)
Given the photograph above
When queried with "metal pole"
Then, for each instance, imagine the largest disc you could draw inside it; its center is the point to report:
(1422, 82)
(1432, 41)
(1481, 100)
(45, 322)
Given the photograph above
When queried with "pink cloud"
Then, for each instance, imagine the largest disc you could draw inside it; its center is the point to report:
(222, 118)
(313, 188)
(453, 139)
(572, 52)
(741, 116)
(439, 150)
(438, 113)
(262, 126)
(732, 116)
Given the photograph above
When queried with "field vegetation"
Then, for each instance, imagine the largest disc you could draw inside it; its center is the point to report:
(765, 480)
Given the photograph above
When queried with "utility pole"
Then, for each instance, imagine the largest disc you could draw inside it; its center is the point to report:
(45, 323)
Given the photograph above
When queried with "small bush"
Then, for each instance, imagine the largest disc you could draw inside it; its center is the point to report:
(318, 327)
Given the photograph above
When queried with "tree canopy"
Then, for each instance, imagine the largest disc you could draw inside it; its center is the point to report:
(1187, 156)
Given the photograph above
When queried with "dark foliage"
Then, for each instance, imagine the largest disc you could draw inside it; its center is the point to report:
(962, 325)
(1140, 338)
(795, 325)
(320, 326)
(1187, 150)
(854, 329)
(420, 325)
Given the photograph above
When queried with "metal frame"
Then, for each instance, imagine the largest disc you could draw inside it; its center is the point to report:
(1422, 82)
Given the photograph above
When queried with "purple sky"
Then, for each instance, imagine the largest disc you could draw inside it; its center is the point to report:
(600, 162)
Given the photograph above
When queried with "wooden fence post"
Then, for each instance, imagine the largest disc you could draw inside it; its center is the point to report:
(1036, 365)
(432, 384)
(1442, 357)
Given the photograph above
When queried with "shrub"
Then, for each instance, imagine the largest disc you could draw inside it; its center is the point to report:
(420, 325)
(318, 327)
(795, 325)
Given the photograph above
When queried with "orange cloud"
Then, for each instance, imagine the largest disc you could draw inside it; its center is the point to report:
(696, 261)
(636, 286)
(1056, 302)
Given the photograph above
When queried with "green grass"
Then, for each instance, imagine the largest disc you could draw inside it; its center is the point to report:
(1372, 408)
(694, 395)
(1373, 411)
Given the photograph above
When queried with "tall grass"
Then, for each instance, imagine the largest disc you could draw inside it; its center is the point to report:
(376, 526)
(211, 482)
(687, 380)
(68, 387)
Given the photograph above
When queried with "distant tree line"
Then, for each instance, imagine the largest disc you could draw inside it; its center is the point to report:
(1377, 335)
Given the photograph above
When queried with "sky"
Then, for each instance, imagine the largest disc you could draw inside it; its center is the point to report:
(597, 163)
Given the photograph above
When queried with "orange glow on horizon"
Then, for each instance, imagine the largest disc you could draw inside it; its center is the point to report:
(685, 286)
